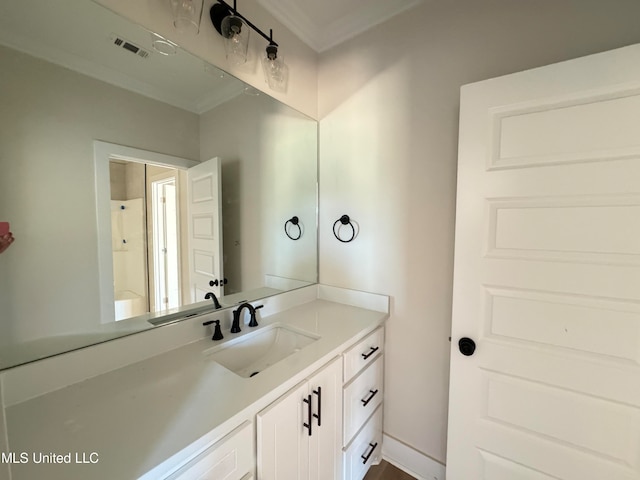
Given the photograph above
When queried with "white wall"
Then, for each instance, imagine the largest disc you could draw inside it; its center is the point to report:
(208, 45)
(388, 108)
(48, 123)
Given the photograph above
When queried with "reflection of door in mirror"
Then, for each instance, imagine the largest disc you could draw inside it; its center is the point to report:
(145, 238)
(205, 227)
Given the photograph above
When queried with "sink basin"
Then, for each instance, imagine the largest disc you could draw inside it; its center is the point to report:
(252, 353)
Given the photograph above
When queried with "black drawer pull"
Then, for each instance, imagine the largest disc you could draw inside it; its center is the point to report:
(318, 415)
(365, 401)
(309, 414)
(371, 352)
(366, 456)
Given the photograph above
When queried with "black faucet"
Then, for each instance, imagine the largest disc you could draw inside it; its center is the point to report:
(217, 333)
(253, 322)
(212, 295)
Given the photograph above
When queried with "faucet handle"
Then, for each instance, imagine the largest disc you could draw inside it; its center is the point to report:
(217, 333)
(253, 322)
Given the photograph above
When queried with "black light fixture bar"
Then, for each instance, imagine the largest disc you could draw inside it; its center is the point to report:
(255, 29)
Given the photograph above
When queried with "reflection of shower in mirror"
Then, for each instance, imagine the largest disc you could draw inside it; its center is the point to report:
(145, 231)
(127, 240)
(129, 304)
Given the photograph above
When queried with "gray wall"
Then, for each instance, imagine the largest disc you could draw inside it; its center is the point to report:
(388, 104)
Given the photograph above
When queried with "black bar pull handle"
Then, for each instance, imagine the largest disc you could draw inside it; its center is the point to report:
(309, 413)
(365, 401)
(365, 457)
(370, 352)
(318, 415)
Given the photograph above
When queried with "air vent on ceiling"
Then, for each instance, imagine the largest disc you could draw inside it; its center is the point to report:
(118, 41)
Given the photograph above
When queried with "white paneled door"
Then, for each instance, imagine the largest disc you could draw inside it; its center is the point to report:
(205, 229)
(547, 275)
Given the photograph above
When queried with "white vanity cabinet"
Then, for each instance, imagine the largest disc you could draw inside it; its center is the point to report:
(299, 436)
(208, 423)
(230, 458)
(363, 392)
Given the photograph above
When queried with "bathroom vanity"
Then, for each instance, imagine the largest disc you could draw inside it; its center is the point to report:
(190, 412)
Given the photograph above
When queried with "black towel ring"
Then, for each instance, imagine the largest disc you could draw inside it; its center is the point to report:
(343, 220)
(296, 222)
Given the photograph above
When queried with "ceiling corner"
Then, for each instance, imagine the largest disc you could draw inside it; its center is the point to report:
(323, 25)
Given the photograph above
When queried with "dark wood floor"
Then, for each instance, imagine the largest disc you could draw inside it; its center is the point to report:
(386, 471)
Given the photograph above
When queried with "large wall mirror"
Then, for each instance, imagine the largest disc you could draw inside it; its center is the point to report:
(137, 178)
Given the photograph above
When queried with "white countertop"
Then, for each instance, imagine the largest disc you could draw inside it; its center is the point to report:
(140, 415)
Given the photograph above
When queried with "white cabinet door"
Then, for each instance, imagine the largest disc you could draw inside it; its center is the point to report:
(325, 452)
(547, 275)
(299, 435)
(283, 446)
(231, 458)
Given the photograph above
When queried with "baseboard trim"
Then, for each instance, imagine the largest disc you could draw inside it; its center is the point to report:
(411, 461)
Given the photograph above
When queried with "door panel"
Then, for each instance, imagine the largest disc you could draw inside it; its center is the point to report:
(205, 229)
(547, 275)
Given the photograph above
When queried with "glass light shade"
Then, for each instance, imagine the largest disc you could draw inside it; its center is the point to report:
(236, 43)
(162, 45)
(187, 15)
(276, 73)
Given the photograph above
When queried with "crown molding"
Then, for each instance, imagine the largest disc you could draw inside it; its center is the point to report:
(342, 27)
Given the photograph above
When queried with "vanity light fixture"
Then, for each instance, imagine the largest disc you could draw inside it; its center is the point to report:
(236, 39)
(276, 72)
(235, 29)
(187, 15)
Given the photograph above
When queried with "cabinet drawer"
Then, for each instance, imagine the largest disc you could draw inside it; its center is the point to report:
(363, 353)
(365, 450)
(231, 458)
(361, 398)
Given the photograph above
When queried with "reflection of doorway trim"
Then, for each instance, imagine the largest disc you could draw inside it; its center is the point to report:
(166, 260)
(103, 152)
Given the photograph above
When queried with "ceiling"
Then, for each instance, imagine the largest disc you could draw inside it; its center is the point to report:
(323, 24)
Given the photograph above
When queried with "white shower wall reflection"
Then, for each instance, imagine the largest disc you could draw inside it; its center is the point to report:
(127, 240)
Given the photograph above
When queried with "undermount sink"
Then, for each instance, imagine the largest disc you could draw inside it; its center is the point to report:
(250, 354)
